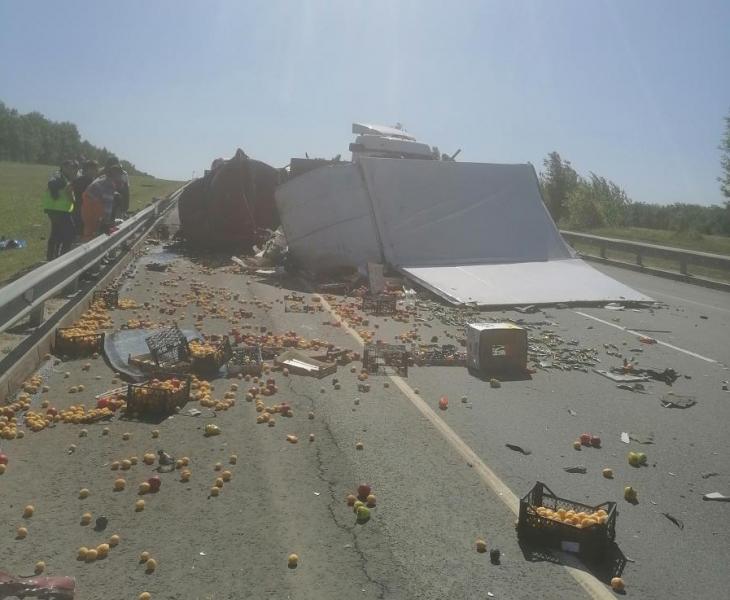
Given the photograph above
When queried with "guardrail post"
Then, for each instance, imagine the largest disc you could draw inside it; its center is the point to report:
(602, 249)
(37, 315)
(683, 266)
(639, 259)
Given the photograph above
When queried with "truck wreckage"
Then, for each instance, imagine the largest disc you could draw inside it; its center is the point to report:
(475, 233)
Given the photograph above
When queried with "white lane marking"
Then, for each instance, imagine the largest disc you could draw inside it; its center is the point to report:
(702, 304)
(631, 331)
(589, 583)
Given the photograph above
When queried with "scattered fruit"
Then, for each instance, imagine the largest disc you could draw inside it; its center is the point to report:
(155, 433)
(481, 546)
(150, 565)
(218, 482)
(21, 533)
(370, 501)
(233, 459)
(630, 494)
(102, 550)
(607, 473)
(595, 441)
(144, 487)
(155, 483)
(126, 436)
(293, 561)
(91, 555)
(577, 445)
(40, 566)
(114, 540)
(86, 518)
(144, 596)
(83, 493)
(119, 484)
(585, 439)
(443, 403)
(139, 505)
(144, 557)
(217, 467)
(28, 511)
(617, 584)
(226, 475)
(83, 551)
(311, 437)
(351, 499)
(363, 514)
(214, 491)
(363, 491)
(359, 445)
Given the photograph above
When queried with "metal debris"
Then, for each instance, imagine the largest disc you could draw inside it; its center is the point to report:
(520, 449)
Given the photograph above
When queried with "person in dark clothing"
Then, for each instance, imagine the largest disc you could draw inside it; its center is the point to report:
(121, 202)
(58, 204)
(89, 172)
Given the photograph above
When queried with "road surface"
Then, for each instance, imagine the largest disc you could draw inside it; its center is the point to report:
(442, 478)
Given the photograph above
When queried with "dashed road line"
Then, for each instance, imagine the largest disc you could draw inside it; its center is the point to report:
(589, 583)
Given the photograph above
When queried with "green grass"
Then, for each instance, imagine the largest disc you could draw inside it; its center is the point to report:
(716, 244)
(21, 217)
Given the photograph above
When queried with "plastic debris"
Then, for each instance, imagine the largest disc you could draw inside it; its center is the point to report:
(716, 496)
(625, 438)
(60, 588)
(675, 520)
(577, 469)
(520, 449)
(676, 401)
(709, 474)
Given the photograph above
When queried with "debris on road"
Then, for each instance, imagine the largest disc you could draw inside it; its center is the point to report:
(577, 469)
(519, 449)
(716, 496)
(677, 401)
(61, 588)
(678, 522)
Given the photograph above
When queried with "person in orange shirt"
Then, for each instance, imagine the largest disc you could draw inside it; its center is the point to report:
(97, 210)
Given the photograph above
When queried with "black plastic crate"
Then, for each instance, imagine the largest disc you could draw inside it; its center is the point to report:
(109, 297)
(143, 399)
(377, 358)
(168, 346)
(246, 360)
(381, 304)
(77, 345)
(591, 541)
(212, 362)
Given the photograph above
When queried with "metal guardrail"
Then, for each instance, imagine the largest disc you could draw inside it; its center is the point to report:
(683, 258)
(28, 294)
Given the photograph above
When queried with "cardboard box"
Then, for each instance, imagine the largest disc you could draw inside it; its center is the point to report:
(496, 347)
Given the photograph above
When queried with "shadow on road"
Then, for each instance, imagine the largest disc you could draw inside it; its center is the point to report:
(604, 567)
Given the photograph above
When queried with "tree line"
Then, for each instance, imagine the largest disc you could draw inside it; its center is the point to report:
(32, 138)
(577, 202)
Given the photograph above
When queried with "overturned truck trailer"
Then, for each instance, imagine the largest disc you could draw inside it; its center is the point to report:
(231, 204)
(470, 232)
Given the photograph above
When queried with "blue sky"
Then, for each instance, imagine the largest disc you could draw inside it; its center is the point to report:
(633, 90)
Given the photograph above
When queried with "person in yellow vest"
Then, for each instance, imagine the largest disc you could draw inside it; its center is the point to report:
(58, 204)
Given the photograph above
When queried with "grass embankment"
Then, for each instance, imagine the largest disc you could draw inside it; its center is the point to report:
(21, 217)
(715, 244)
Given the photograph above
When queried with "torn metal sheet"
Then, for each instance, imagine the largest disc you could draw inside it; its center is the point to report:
(547, 282)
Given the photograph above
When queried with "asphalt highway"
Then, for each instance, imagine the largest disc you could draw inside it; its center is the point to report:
(443, 478)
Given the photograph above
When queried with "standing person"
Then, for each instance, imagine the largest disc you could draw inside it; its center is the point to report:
(58, 204)
(89, 172)
(121, 206)
(97, 210)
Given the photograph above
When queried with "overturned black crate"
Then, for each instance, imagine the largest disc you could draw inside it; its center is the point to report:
(246, 360)
(379, 357)
(148, 399)
(168, 346)
(109, 297)
(70, 342)
(211, 362)
(591, 541)
(381, 304)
